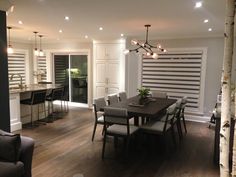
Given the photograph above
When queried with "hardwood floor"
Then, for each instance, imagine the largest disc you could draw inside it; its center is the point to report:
(64, 149)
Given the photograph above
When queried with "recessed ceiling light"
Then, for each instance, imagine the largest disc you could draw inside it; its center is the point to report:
(60, 31)
(206, 21)
(209, 29)
(86, 37)
(101, 28)
(20, 22)
(198, 4)
(67, 18)
(121, 34)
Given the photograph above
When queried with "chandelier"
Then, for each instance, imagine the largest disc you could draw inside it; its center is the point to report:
(148, 48)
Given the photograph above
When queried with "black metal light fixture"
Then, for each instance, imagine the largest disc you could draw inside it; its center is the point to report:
(40, 45)
(9, 47)
(36, 52)
(148, 48)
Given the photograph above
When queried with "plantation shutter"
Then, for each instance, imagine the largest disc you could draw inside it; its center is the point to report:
(16, 66)
(179, 73)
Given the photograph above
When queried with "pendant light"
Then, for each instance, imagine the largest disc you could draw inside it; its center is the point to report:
(40, 45)
(36, 52)
(146, 47)
(9, 47)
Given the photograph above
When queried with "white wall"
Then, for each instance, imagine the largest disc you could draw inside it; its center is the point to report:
(213, 68)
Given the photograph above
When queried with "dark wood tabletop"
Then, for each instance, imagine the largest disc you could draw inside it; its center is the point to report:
(150, 109)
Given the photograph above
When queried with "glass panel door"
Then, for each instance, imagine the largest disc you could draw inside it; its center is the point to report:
(61, 68)
(79, 78)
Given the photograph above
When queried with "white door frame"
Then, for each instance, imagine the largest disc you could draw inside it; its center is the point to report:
(50, 68)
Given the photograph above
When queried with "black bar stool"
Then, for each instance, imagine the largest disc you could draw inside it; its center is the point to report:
(37, 98)
(56, 94)
(65, 98)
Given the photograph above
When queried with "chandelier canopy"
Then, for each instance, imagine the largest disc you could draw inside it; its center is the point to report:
(148, 48)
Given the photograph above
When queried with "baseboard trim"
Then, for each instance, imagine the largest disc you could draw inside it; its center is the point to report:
(16, 126)
(197, 118)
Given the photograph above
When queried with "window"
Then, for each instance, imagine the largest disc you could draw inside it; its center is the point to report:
(16, 67)
(41, 68)
(179, 73)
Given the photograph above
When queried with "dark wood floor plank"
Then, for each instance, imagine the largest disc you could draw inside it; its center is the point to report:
(64, 149)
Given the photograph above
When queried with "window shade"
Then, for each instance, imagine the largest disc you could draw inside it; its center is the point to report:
(179, 73)
(16, 65)
(42, 67)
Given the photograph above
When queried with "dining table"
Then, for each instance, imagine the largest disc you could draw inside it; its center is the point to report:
(152, 107)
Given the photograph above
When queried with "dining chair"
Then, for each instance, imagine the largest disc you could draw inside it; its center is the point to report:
(118, 120)
(112, 99)
(122, 96)
(99, 103)
(160, 127)
(182, 108)
(159, 94)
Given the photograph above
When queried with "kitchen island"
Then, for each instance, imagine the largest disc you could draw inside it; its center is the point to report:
(20, 114)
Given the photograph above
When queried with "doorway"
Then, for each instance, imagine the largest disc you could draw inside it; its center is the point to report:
(72, 70)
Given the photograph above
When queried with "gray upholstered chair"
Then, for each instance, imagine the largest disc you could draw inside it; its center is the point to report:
(122, 96)
(118, 120)
(99, 104)
(159, 94)
(112, 99)
(21, 168)
(182, 108)
(162, 127)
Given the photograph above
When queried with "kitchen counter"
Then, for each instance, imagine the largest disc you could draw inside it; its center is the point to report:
(34, 87)
(20, 114)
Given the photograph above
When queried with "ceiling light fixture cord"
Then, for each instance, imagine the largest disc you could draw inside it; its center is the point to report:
(148, 48)
(9, 34)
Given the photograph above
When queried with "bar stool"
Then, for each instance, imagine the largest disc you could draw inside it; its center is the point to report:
(37, 98)
(56, 94)
(65, 96)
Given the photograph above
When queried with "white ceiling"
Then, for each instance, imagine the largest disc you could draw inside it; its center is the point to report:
(169, 19)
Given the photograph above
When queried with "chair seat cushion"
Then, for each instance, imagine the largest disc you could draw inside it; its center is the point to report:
(10, 169)
(101, 119)
(121, 129)
(27, 101)
(157, 126)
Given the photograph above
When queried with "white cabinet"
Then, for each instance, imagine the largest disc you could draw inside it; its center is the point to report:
(108, 60)
(15, 116)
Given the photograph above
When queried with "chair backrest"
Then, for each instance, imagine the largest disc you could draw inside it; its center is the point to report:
(112, 99)
(122, 96)
(98, 104)
(116, 116)
(38, 97)
(184, 100)
(158, 94)
(170, 115)
(57, 93)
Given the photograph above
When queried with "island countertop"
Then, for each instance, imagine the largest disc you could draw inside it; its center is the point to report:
(34, 87)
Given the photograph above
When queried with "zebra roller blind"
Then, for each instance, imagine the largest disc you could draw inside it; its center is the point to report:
(179, 73)
(16, 66)
(42, 67)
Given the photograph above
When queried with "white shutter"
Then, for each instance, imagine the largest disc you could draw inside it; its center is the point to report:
(179, 73)
(17, 66)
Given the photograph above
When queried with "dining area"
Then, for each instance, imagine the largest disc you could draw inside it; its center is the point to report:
(152, 114)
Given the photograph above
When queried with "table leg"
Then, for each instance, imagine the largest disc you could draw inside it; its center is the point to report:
(136, 122)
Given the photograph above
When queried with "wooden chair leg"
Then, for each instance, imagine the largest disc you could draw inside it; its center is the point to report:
(94, 130)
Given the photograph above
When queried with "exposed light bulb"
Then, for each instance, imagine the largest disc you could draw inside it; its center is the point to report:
(148, 54)
(41, 53)
(9, 49)
(126, 51)
(67, 18)
(164, 50)
(206, 21)
(134, 42)
(36, 52)
(159, 46)
(155, 56)
(209, 29)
